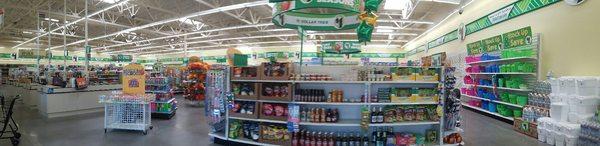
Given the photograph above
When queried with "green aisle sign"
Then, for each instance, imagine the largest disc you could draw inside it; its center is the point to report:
(474, 48)
(341, 47)
(508, 12)
(492, 44)
(517, 38)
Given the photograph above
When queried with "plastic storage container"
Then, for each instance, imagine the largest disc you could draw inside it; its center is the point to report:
(587, 86)
(492, 107)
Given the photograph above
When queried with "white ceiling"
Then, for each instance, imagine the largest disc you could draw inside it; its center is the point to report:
(163, 26)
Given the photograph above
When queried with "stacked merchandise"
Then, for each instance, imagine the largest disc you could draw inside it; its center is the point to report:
(195, 79)
(176, 75)
(452, 131)
(158, 83)
(217, 87)
(380, 137)
(107, 75)
(537, 107)
(574, 100)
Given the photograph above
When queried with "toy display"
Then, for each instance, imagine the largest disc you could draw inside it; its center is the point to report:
(196, 78)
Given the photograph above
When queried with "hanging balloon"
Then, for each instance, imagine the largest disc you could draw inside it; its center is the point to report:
(364, 32)
(372, 5)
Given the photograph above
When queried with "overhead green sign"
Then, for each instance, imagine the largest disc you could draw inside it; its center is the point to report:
(341, 47)
(300, 13)
(5, 55)
(518, 37)
(474, 48)
(508, 12)
(443, 39)
(492, 44)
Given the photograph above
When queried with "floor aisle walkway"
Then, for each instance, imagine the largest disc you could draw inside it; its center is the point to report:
(189, 128)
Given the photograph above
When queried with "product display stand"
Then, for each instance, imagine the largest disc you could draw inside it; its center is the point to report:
(157, 83)
(498, 83)
(195, 89)
(334, 104)
(217, 90)
(127, 112)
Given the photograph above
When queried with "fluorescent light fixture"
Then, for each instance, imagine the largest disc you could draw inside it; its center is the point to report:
(109, 1)
(454, 2)
(397, 4)
(383, 30)
(27, 32)
(190, 21)
(51, 19)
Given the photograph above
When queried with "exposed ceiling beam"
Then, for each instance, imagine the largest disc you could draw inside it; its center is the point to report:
(76, 21)
(201, 13)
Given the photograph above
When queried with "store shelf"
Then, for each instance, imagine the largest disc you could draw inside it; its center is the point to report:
(495, 101)
(168, 101)
(258, 120)
(340, 123)
(404, 82)
(405, 124)
(331, 82)
(158, 92)
(169, 112)
(264, 81)
(485, 111)
(406, 103)
(503, 73)
(455, 130)
(157, 84)
(503, 60)
(248, 141)
(456, 144)
(502, 88)
(330, 103)
(258, 100)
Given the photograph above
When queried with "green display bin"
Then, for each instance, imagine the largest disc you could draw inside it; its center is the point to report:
(522, 100)
(512, 98)
(517, 113)
(504, 97)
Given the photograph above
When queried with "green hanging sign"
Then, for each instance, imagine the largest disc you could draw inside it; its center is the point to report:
(300, 13)
(492, 44)
(518, 37)
(474, 48)
(341, 47)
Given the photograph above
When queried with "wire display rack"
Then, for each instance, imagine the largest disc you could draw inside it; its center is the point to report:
(127, 112)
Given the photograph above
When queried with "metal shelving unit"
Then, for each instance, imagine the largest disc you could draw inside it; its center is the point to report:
(348, 118)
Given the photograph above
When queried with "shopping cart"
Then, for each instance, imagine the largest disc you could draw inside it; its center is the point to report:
(9, 126)
(127, 115)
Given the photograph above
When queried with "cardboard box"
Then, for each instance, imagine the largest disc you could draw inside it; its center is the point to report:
(256, 91)
(283, 76)
(527, 128)
(253, 116)
(255, 69)
(287, 142)
(263, 96)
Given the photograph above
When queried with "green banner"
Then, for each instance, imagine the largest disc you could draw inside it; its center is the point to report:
(341, 47)
(5, 55)
(492, 44)
(517, 38)
(474, 48)
(343, 14)
(453, 35)
(508, 12)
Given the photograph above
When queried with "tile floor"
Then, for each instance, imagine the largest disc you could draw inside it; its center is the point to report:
(189, 128)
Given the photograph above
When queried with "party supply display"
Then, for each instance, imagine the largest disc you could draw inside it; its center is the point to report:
(196, 78)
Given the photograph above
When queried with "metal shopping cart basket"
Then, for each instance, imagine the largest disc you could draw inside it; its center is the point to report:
(127, 114)
(10, 128)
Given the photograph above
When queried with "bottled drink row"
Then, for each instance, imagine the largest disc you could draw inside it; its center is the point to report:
(379, 137)
(318, 95)
(319, 115)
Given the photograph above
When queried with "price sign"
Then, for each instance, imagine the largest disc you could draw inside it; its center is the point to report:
(492, 44)
(517, 38)
(474, 48)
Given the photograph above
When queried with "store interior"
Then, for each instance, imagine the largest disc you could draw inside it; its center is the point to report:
(299, 72)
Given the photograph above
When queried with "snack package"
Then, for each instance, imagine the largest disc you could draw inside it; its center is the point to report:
(390, 115)
(268, 109)
(409, 113)
(399, 114)
(420, 113)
